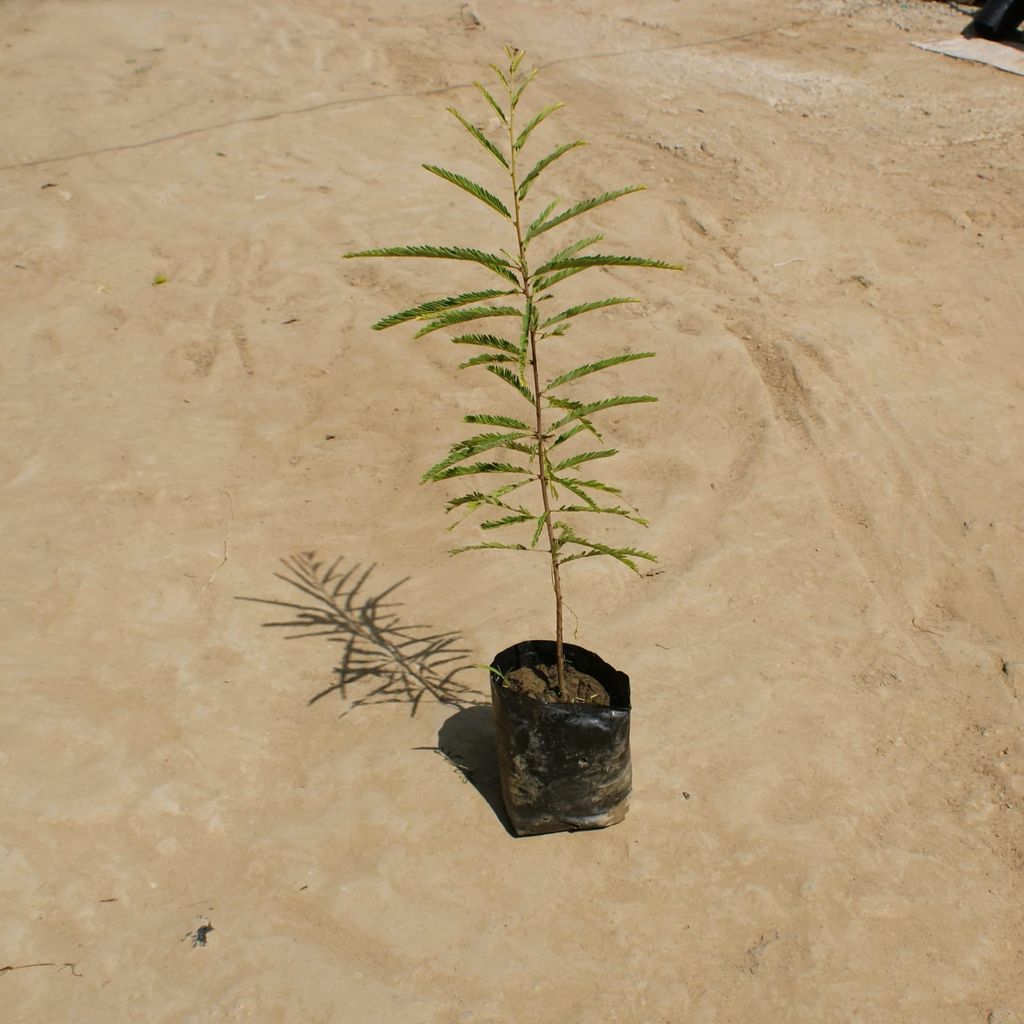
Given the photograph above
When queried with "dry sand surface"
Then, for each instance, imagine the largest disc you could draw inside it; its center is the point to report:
(828, 660)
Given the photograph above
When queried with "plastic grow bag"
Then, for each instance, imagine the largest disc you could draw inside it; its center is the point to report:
(563, 767)
(998, 18)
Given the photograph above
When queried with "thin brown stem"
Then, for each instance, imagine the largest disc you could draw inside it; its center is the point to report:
(539, 435)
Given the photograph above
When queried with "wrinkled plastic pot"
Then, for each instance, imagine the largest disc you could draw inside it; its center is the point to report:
(563, 767)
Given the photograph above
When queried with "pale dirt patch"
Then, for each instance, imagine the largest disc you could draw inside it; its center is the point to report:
(827, 818)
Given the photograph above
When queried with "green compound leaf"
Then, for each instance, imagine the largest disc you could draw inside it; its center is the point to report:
(613, 510)
(594, 485)
(480, 137)
(486, 359)
(469, 449)
(501, 75)
(543, 224)
(544, 162)
(491, 100)
(593, 548)
(428, 309)
(529, 322)
(486, 341)
(559, 263)
(544, 283)
(581, 457)
(476, 499)
(574, 487)
(542, 115)
(517, 95)
(462, 316)
(483, 467)
(539, 219)
(571, 433)
(486, 419)
(509, 520)
(578, 411)
(585, 307)
(512, 379)
(567, 253)
(475, 190)
(515, 57)
(601, 364)
(541, 520)
(444, 252)
(487, 545)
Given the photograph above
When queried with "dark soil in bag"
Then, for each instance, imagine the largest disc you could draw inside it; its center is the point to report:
(541, 682)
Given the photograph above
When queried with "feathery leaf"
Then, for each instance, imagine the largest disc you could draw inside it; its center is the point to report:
(529, 322)
(444, 252)
(483, 467)
(525, 449)
(539, 219)
(580, 457)
(475, 190)
(517, 95)
(559, 262)
(487, 420)
(585, 307)
(568, 434)
(485, 341)
(468, 449)
(601, 364)
(480, 137)
(486, 358)
(487, 545)
(594, 485)
(501, 75)
(493, 498)
(515, 57)
(614, 510)
(578, 411)
(428, 309)
(574, 487)
(491, 100)
(623, 555)
(510, 378)
(549, 282)
(573, 405)
(567, 253)
(541, 520)
(581, 207)
(509, 520)
(540, 165)
(466, 315)
(537, 118)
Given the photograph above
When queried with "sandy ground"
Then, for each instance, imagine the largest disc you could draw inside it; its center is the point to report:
(828, 663)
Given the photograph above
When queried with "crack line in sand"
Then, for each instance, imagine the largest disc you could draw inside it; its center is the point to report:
(225, 558)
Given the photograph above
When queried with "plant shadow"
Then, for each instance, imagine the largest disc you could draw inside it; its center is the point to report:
(466, 741)
(384, 660)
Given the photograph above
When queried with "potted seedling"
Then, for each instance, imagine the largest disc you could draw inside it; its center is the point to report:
(562, 714)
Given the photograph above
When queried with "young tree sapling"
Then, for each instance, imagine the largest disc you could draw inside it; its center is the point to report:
(530, 452)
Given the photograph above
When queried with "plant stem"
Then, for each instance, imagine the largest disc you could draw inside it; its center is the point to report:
(542, 461)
